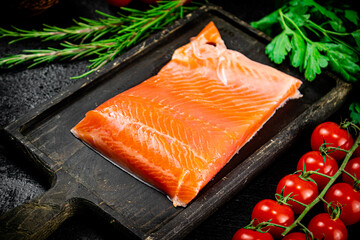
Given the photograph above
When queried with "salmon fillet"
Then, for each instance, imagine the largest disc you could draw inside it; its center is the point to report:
(177, 129)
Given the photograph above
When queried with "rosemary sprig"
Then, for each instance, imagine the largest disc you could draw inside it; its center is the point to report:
(103, 39)
(81, 30)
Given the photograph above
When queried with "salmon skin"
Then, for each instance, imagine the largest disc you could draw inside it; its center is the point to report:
(177, 129)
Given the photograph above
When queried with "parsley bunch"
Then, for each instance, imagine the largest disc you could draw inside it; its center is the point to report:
(314, 37)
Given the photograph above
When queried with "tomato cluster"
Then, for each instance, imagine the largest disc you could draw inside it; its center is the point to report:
(300, 191)
(123, 3)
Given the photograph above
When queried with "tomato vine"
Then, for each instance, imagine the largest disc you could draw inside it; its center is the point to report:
(326, 188)
(310, 166)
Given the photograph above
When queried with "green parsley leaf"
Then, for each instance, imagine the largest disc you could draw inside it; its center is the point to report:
(266, 22)
(279, 47)
(336, 22)
(355, 112)
(342, 60)
(298, 15)
(356, 36)
(352, 16)
(314, 61)
(298, 50)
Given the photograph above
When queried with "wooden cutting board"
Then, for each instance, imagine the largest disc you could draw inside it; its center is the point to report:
(80, 179)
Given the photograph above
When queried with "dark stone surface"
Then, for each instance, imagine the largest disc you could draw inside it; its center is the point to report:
(22, 89)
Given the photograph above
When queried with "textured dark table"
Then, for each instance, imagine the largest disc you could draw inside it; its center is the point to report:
(22, 89)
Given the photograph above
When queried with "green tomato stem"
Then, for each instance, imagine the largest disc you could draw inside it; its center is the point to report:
(349, 174)
(307, 231)
(296, 201)
(320, 174)
(275, 225)
(323, 199)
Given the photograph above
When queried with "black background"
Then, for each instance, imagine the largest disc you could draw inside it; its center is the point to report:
(22, 89)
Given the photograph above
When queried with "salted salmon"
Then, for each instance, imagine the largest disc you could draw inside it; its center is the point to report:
(177, 129)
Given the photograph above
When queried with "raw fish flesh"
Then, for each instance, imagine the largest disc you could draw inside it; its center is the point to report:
(177, 129)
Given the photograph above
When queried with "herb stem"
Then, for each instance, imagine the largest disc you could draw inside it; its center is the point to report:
(82, 30)
(323, 30)
(328, 34)
(295, 26)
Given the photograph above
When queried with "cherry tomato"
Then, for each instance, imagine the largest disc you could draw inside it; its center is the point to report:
(332, 134)
(278, 213)
(344, 194)
(323, 227)
(295, 236)
(302, 190)
(248, 234)
(352, 167)
(119, 3)
(313, 160)
(357, 152)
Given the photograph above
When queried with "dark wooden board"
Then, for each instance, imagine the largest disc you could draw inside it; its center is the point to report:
(81, 179)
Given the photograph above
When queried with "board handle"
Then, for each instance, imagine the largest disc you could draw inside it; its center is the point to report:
(39, 217)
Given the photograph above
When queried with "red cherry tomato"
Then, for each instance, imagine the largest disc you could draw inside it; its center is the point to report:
(344, 194)
(119, 3)
(313, 160)
(248, 234)
(278, 213)
(352, 167)
(323, 227)
(295, 236)
(332, 134)
(356, 152)
(302, 190)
